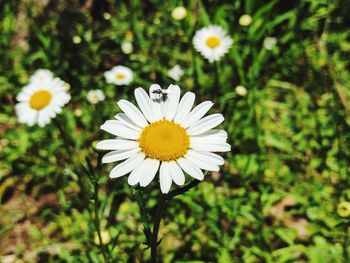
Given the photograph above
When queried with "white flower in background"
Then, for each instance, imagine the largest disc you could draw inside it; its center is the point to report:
(163, 135)
(245, 20)
(175, 73)
(119, 75)
(127, 47)
(76, 39)
(270, 43)
(42, 99)
(241, 90)
(212, 42)
(105, 237)
(179, 13)
(95, 96)
(107, 16)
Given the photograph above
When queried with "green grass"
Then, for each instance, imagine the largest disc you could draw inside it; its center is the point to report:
(276, 197)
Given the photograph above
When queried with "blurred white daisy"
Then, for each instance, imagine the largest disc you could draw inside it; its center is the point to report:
(245, 20)
(241, 90)
(41, 99)
(95, 96)
(175, 72)
(127, 47)
(212, 42)
(76, 39)
(179, 13)
(164, 135)
(119, 75)
(270, 43)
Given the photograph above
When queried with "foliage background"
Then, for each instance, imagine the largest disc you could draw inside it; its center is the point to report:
(276, 198)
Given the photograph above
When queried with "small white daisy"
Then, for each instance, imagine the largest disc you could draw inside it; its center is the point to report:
(241, 90)
(41, 99)
(175, 73)
(164, 135)
(245, 20)
(212, 42)
(179, 13)
(119, 75)
(126, 47)
(270, 43)
(95, 96)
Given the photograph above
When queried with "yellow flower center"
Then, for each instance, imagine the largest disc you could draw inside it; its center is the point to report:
(119, 76)
(213, 42)
(40, 99)
(164, 140)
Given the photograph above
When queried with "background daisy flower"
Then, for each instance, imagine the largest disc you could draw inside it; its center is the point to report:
(212, 42)
(41, 99)
(119, 75)
(245, 20)
(95, 96)
(179, 13)
(175, 73)
(165, 136)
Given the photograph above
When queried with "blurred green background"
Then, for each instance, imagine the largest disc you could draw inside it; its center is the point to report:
(282, 195)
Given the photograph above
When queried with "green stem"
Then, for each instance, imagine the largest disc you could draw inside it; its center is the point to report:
(97, 222)
(158, 217)
(182, 190)
(152, 236)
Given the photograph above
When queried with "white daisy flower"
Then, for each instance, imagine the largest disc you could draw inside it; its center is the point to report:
(163, 135)
(95, 96)
(212, 42)
(41, 99)
(245, 20)
(241, 90)
(270, 43)
(179, 13)
(119, 75)
(175, 73)
(127, 47)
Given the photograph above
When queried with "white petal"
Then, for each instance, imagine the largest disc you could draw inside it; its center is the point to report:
(127, 166)
(208, 156)
(123, 118)
(116, 144)
(135, 175)
(116, 128)
(42, 119)
(132, 112)
(26, 114)
(149, 171)
(185, 107)
(190, 168)
(157, 106)
(210, 147)
(172, 102)
(164, 178)
(145, 104)
(118, 155)
(205, 124)
(197, 113)
(202, 164)
(214, 133)
(176, 173)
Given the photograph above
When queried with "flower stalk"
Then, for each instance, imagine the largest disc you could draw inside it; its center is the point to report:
(152, 235)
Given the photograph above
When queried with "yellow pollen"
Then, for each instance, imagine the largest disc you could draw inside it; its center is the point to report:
(164, 140)
(119, 76)
(40, 99)
(213, 42)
